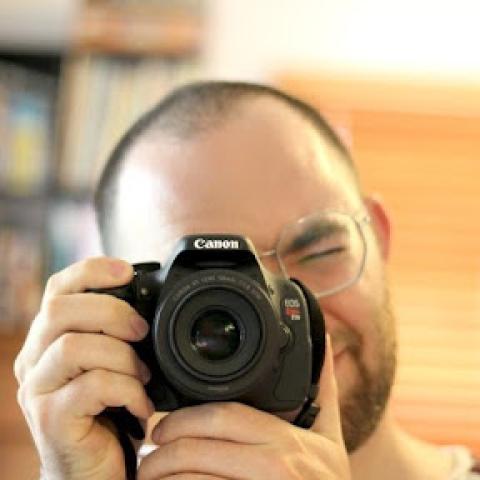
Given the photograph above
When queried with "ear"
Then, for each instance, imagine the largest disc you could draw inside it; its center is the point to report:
(381, 223)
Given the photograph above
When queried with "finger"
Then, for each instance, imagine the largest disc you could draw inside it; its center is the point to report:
(206, 456)
(76, 404)
(93, 312)
(74, 353)
(86, 312)
(98, 272)
(68, 415)
(328, 421)
(223, 420)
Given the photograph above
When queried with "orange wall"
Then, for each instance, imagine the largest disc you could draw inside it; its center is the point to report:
(427, 169)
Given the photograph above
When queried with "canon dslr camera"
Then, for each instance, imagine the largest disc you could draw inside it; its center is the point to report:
(224, 328)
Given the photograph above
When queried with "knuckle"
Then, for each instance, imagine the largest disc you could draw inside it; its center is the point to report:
(222, 415)
(22, 396)
(67, 345)
(227, 408)
(33, 408)
(235, 408)
(218, 415)
(224, 411)
(52, 308)
(18, 367)
(53, 282)
(24, 402)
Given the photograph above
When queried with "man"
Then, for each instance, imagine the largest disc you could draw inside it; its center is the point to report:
(227, 158)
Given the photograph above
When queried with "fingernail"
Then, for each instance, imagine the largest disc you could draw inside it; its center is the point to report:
(139, 325)
(156, 435)
(118, 268)
(145, 373)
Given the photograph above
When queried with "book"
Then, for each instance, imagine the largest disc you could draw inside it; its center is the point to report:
(103, 96)
(27, 103)
(72, 234)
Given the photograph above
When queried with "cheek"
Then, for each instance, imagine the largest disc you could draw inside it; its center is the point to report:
(356, 315)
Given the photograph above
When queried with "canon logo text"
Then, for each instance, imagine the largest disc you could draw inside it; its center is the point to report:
(202, 244)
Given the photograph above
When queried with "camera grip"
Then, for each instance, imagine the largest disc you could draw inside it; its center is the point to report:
(126, 424)
(129, 292)
(124, 292)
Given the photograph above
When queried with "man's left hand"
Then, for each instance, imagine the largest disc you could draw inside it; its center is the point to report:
(231, 441)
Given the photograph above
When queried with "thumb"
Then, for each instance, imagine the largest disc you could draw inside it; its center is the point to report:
(328, 421)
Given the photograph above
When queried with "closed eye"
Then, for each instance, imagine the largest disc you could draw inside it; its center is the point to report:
(322, 254)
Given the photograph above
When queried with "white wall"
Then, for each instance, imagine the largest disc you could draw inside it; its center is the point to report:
(251, 38)
(36, 25)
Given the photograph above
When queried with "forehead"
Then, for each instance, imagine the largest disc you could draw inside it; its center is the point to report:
(264, 166)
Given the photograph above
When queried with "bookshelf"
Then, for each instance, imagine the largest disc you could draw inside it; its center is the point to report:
(27, 109)
(60, 115)
(168, 28)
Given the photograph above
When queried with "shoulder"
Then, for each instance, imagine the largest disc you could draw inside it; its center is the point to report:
(464, 465)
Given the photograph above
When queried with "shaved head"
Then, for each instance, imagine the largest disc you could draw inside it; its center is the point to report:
(193, 110)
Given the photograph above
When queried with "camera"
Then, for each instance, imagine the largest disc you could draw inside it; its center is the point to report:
(224, 328)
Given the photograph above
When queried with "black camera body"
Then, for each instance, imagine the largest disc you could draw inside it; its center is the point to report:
(224, 328)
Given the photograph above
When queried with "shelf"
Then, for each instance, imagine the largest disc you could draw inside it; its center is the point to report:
(63, 116)
(133, 30)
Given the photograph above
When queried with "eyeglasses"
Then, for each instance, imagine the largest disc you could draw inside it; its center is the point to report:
(324, 250)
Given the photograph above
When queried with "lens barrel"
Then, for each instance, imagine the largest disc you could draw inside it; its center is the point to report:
(215, 334)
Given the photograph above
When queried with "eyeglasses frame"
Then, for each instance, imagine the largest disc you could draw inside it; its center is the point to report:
(360, 218)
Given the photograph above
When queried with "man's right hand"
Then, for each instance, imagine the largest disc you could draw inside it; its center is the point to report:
(76, 362)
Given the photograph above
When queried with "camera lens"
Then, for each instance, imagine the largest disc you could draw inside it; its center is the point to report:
(215, 335)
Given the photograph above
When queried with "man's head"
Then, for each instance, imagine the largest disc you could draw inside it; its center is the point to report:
(238, 158)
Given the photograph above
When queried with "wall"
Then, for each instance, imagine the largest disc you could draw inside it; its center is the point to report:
(32, 26)
(251, 39)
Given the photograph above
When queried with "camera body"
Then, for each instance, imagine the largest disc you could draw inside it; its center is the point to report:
(223, 328)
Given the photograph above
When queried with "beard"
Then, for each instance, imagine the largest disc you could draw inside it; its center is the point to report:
(363, 405)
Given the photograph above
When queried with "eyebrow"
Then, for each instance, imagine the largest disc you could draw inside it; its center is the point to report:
(313, 233)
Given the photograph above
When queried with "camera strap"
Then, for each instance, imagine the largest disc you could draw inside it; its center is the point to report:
(127, 427)
(310, 409)
(130, 456)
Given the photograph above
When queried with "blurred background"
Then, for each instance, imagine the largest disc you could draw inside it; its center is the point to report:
(400, 81)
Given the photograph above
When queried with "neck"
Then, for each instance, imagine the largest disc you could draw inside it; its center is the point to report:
(392, 453)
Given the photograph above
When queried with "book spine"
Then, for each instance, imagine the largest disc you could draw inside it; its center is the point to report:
(26, 130)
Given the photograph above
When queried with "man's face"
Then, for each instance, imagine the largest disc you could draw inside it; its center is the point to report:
(261, 168)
